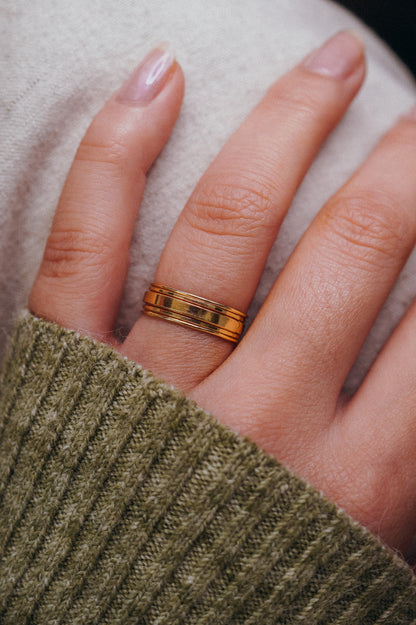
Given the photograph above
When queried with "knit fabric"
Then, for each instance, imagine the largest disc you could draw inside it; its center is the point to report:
(59, 63)
(123, 502)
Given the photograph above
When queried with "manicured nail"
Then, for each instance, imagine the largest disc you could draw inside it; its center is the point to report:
(338, 57)
(411, 114)
(149, 77)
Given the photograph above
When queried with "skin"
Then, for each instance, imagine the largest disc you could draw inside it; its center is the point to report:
(282, 385)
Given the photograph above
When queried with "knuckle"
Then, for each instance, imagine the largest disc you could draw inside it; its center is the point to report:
(382, 491)
(301, 98)
(69, 253)
(112, 152)
(368, 226)
(236, 208)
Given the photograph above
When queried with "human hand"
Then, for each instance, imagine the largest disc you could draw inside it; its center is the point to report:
(282, 385)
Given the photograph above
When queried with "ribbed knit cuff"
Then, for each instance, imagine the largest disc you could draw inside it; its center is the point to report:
(122, 502)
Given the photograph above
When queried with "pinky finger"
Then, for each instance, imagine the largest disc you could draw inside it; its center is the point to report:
(82, 274)
(383, 426)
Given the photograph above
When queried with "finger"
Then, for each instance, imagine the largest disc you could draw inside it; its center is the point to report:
(82, 273)
(220, 243)
(381, 421)
(322, 306)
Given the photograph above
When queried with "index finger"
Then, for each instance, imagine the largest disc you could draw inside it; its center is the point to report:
(81, 278)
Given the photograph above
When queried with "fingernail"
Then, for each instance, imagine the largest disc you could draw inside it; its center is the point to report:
(411, 114)
(149, 78)
(338, 57)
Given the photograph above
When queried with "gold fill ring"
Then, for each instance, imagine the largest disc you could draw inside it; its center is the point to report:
(194, 312)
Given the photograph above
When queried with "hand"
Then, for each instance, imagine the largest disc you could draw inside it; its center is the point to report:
(282, 385)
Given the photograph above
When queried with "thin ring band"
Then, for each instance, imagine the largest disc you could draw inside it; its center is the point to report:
(194, 312)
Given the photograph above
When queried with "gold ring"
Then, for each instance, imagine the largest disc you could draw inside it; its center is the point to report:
(194, 312)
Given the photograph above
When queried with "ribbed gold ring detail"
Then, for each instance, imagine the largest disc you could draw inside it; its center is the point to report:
(193, 311)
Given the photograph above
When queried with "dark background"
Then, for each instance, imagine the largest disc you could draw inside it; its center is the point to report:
(393, 20)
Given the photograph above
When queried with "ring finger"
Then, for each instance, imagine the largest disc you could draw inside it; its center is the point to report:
(220, 243)
(324, 303)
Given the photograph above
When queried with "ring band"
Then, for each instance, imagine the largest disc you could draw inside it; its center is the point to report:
(194, 312)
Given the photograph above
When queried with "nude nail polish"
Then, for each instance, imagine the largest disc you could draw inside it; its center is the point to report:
(149, 77)
(338, 57)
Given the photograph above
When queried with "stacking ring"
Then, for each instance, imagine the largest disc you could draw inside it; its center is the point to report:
(194, 312)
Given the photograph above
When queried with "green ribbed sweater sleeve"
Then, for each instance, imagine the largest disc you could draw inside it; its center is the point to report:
(122, 502)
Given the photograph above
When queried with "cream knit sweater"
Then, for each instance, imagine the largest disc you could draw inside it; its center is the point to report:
(59, 61)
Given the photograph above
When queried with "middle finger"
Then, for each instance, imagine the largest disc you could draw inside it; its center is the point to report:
(221, 241)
